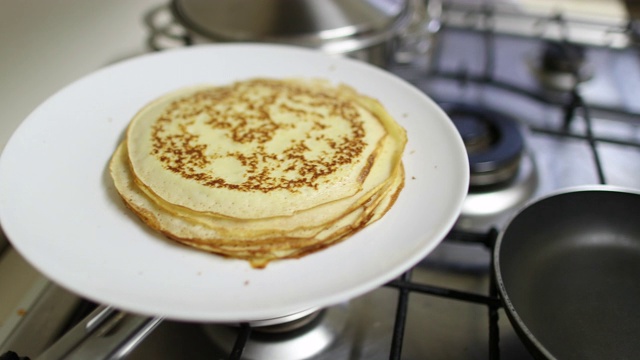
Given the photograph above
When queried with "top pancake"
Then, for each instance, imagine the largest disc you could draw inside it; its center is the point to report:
(255, 149)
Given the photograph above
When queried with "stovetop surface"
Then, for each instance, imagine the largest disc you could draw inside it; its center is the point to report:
(495, 71)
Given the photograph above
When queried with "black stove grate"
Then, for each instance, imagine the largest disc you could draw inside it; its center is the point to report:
(574, 108)
(405, 286)
(492, 301)
(481, 19)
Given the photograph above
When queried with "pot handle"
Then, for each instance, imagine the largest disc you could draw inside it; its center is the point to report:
(164, 32)
(106, 333)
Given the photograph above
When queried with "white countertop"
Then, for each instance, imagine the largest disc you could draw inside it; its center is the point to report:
(48, 44)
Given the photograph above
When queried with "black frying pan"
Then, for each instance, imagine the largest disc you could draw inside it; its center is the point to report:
(568, 270)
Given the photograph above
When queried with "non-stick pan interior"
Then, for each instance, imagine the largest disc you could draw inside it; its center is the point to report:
(568, 269)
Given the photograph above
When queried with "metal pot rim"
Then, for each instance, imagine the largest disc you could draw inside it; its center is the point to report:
(522, 329)
(348, 38)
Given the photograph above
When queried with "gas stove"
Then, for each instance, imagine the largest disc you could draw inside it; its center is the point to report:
(544, 100)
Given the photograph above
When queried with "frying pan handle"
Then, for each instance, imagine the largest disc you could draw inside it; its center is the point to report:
(105, 334)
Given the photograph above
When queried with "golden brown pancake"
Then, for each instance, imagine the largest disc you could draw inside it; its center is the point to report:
(242, 150)
(261, 169)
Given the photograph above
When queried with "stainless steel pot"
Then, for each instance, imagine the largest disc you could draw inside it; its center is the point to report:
(374, 31)
(568, 270)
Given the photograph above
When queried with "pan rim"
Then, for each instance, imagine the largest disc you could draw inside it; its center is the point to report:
(529, 339)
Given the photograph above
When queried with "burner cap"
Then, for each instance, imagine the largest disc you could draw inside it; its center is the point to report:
(563, 57)
(493, 141)
(561, 66)
(301, 338)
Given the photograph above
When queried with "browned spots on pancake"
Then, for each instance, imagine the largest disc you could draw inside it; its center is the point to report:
(244, 112)
(304, 137)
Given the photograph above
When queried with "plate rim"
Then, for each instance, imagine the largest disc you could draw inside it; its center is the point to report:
(255, 315)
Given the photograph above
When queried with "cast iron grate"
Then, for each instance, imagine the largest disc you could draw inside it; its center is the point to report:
(405, 286)
(573, 107)
(482, 19)
(491, 301)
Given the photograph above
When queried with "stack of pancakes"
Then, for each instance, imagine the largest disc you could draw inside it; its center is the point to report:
(261, 169)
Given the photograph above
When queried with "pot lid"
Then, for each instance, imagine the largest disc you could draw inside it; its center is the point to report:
(303, 22)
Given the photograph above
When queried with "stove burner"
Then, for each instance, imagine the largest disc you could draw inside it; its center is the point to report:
(562, 57)
(297, 339)
(483, 210)
(503, 175)
(561, 66)
(290, 327)
(493, 142)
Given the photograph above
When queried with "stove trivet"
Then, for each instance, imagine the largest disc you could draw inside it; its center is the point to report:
(297, 339)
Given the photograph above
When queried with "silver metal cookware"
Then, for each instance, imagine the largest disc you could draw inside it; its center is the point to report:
(375, 31)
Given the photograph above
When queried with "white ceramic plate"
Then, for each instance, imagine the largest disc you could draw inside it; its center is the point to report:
(61, 212)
